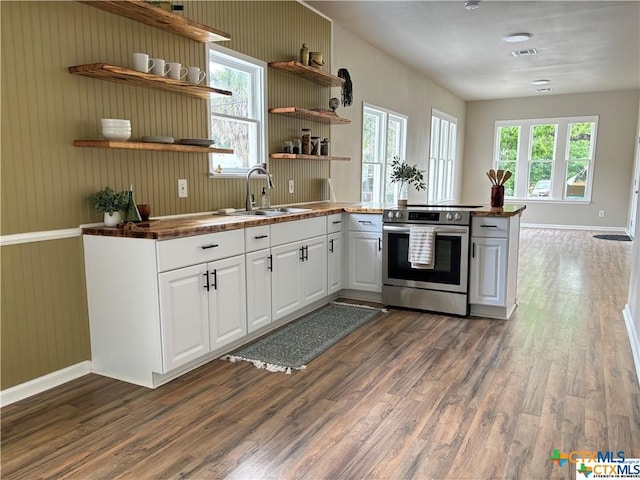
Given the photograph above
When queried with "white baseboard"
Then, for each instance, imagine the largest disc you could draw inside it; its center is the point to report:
(46, 382)
(575, 227)
(634, 339)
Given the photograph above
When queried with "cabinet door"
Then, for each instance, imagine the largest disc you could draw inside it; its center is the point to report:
(227, 301)
(314, 269)
(258, 289)
(184, 318)
(488, 271)
(365, 261)
(286, 279)
(334, 262)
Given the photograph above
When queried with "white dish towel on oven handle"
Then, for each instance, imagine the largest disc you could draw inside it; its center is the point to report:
(422, 246)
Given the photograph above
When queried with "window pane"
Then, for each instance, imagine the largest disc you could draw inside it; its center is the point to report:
(580, 141)
(237, 81)
(508, 143)
(239, 136)
(576, 188)
(509, 185)
(543, 142)
(370, 129)
(370, 181)
(540, 179)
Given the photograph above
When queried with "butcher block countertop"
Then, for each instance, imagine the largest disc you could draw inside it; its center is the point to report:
(166, 228)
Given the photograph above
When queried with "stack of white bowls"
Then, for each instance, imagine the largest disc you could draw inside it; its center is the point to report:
(116, 129)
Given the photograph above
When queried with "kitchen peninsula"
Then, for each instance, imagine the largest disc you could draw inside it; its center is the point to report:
(177, 293)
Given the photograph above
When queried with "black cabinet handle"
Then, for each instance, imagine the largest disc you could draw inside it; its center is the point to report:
(206, 275)
(331, 246)
(379, 244)
(365, 222)
(473, 250)
(488, 226)
(205, 247)
(215, 279)
(335, 222)
(301, 254)
(270, 264)
(258, 237)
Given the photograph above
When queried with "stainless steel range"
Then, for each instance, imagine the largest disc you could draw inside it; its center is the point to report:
(442, 288)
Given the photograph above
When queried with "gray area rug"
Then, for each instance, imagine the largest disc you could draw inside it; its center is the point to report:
(619, 238)
(299, 342)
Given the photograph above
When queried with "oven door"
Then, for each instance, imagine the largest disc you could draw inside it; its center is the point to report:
(450, 272)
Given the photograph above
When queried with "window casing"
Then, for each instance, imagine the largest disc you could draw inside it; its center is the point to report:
(238, 121)
(551, 159)
(442, 159)
(384, 136)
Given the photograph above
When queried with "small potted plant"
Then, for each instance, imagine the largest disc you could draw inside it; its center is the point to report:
(111, 203)
(405, 175)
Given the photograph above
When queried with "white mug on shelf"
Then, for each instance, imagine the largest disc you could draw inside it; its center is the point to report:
(160, 68)
(195, 75)
(142, 62)
(177, 71)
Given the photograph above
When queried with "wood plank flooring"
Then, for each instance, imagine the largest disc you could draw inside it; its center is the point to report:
(408, 396)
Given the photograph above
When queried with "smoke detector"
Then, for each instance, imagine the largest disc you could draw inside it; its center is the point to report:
(472, 4)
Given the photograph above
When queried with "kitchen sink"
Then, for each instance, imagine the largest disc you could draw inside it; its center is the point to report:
(271, 212)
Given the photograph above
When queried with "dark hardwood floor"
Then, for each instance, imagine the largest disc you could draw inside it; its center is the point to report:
(409, 395)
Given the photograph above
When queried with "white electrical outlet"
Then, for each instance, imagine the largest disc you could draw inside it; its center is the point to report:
(291, 187)
(601, 213)
(182, 188)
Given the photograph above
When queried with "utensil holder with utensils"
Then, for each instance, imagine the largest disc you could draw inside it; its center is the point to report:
(498, 179)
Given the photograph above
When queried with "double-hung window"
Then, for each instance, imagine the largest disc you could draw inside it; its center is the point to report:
(238, 121)
(550, 159)
(384, 135)
(442, 159)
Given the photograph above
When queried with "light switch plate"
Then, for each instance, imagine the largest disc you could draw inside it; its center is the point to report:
(291, 186)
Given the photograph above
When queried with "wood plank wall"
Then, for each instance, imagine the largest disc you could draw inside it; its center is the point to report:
(45, 180)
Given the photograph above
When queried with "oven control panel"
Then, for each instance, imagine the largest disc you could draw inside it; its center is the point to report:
(427, 216)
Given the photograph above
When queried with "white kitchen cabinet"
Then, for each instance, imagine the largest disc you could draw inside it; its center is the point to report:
(203, 308)
(185, 316)
(258, 289)
(334, 262)
(227, 301)
(493, 266)
(299, 275)
(365, 252)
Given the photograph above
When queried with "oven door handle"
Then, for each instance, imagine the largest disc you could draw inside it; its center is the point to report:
(438, 231)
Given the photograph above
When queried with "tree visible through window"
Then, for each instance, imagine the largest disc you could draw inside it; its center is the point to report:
(551, 159)
(237, 121)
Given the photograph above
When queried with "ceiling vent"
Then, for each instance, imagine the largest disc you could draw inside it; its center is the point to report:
(527, 52)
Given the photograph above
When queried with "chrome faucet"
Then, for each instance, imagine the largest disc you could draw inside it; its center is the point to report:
(258, 168)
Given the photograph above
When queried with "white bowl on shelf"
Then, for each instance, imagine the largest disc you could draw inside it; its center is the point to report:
(114, 122)
(116, 134)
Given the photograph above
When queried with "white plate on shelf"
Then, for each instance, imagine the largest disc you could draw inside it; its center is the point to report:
(158, 139)
(198, 142)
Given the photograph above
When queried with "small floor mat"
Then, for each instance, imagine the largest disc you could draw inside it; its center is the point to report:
(619, 238)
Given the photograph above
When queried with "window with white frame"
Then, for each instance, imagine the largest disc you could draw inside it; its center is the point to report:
(384, 135)
(237, 122)
(551, 159)
(442, 159)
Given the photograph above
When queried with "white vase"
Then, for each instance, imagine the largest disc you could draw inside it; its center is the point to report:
(403, 194)
(112, 219)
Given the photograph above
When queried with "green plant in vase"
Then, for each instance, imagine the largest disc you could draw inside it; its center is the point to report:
(405, 175)
(111, 203)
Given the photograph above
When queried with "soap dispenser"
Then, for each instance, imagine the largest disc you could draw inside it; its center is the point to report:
(132, 214)
(265, 201)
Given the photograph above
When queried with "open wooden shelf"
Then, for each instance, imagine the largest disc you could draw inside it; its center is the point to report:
(297, 156)
(166, 147)
(118, 74)
(144, 12)
(305, 114)
(308, 73)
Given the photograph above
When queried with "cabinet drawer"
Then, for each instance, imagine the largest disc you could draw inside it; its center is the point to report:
(297, 230)
(365, 222)
(334, 223)
(257, 238)
(182, 252)
(495, 227)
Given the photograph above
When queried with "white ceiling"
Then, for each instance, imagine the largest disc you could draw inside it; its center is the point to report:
(583, 46)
